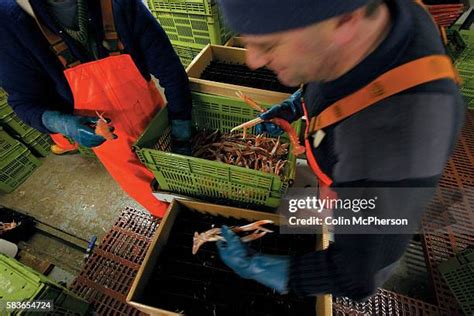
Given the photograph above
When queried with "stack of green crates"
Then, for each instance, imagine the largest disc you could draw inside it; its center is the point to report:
(36, 141)
(17, 163)
(455, 45)
(206, 179)
(190, 25)
(459, 275)
(465, 65)
(19, 283)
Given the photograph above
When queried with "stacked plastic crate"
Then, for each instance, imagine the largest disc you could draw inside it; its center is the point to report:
(458, 273)
(190, 25)
(36, 141)
(17, 162)
(21, 284)
(465, 65)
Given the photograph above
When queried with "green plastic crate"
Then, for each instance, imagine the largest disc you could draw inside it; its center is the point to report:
(211, 179)
(187, 52)
(13, 123)
(16, 167)
(16, 284)
(7, 144)
(39, 143)
(21, 283)
(182, 6)
(456, 44)
(65, 302)
(465, 65)
(467, 35)
(3, 96)
(184, 28)
(466, 71)
(459, 275)
(5, 109)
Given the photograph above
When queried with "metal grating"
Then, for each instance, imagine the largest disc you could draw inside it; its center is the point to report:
(448, 224)
(104, 303)
(386, 303)
(109, 272)
(138, 222)
(445, 14)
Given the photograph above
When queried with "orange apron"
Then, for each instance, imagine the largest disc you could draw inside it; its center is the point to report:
(396, 80)
(114, 87)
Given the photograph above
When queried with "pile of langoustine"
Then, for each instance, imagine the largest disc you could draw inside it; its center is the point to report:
(245, 150)
(255, 152)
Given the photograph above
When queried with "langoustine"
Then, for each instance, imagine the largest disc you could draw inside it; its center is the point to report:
(283, 124)
(213, 234)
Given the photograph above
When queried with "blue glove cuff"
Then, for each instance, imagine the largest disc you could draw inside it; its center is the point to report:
(181, 130)
(295, 96)
(51, 122)
(272, 271)
(290, 109)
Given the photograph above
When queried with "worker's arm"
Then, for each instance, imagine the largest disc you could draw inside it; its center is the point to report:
(160, 58)
(152, 45)
(22, 78)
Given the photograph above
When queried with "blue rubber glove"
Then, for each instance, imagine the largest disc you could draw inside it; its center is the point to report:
(272, 271)
(290, 110)
(76, 127)
(181, 137)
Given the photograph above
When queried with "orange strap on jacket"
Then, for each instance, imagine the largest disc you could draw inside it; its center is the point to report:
(324, 179)
(62, 51)
(404, 77)
(58, 46)
(111, 39)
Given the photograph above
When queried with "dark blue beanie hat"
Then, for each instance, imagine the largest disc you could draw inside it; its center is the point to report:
(269, 16)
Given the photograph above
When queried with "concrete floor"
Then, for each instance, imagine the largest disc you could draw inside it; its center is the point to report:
(73, 194)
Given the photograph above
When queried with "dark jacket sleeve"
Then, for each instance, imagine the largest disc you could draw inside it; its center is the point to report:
(356, 264)
(23, 80)
(161, 60)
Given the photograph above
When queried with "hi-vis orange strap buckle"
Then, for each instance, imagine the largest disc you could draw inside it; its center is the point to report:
(404, 77)
(58, 46)
(111, 41)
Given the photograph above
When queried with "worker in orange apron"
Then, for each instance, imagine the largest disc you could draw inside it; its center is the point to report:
(383, 111)
(112, 86)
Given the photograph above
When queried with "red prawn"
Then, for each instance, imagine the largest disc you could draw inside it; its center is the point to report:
(102, 127)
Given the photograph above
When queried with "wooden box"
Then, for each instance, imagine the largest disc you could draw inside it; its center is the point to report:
(138, 291)
(229, 54)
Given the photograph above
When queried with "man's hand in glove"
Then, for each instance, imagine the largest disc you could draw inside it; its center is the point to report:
(79, 128)
(290, 110)
(271, 271)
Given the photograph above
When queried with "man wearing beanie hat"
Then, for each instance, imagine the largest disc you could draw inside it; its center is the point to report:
(384, 112)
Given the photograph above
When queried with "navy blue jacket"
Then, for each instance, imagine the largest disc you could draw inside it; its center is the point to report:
(400, 142)
(33, 76)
